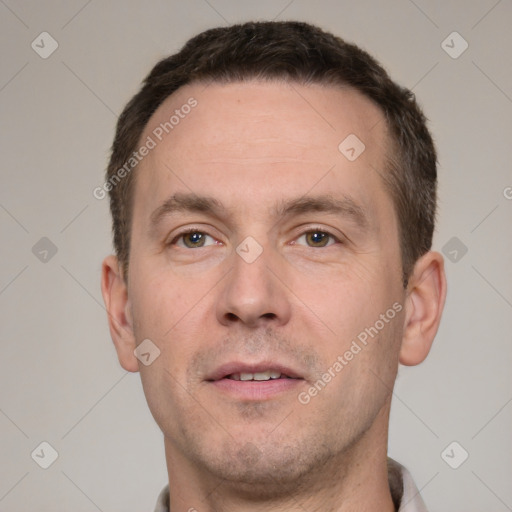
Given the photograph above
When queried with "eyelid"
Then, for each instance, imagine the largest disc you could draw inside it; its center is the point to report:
(320, 229)
(303, 231)
(186, 231)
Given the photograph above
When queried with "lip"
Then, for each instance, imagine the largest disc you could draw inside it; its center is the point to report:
(239, 367)
(254, 390)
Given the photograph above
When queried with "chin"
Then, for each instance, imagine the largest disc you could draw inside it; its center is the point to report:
(266, 471)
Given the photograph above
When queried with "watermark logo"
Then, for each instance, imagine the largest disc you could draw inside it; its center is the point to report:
(149, 144)
(249, 250)
(44, 455)
(44, 45)
(454, 249)
(454, 45)
(362, 338)
(454, 455)
(44, 250)
(351, 147)
(147, 352)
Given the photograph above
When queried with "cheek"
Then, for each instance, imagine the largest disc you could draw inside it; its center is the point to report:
(161, 314)
(158, 298)
(356, 320)
(360, 365)
(173, 314)
(345, 298)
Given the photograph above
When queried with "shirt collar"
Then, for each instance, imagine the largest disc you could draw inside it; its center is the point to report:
(404, 492)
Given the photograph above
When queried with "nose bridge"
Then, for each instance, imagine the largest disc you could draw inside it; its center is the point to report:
(252, 294)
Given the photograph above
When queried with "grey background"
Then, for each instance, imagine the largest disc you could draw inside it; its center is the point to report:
(60, 380)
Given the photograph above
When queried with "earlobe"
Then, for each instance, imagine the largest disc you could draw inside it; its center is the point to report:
(115, 296)
(424, 306)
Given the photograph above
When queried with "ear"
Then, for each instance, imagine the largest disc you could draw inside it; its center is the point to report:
(115, 296)
(426, 294)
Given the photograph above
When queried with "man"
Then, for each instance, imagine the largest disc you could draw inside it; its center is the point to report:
(273, 195)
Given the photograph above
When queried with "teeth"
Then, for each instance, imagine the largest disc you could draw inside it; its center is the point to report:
(262, 376)
(269, 374)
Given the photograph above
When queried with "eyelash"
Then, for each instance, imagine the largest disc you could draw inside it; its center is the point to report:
(310, 230)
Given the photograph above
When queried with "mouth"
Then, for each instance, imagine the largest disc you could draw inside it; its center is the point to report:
(254, 382)
(258, 376)
(263, 371)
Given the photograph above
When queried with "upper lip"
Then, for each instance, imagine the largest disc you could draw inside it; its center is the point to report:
(234, 367)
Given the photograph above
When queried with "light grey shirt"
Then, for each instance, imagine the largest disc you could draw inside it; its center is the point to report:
(405, 494)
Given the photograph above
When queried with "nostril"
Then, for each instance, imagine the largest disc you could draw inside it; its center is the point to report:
(232, 316)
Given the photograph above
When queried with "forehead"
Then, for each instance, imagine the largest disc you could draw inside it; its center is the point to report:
(274, 138)
(312, 114)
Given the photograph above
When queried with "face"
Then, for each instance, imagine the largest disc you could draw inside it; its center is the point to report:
(260, 251)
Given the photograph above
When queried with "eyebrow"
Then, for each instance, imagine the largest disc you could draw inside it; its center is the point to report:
(325, 203)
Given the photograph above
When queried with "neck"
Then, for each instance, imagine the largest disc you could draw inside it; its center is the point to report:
(354, 480)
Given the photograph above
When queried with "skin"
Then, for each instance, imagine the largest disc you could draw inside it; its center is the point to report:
(301, 302)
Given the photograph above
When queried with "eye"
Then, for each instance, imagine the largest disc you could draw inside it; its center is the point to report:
(318, 238)
(191, 239)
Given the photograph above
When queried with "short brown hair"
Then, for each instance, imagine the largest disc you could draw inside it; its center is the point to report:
(300, 53)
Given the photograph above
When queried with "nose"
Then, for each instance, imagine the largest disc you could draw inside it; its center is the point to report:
(254, 293)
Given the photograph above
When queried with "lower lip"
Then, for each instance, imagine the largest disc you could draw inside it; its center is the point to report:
(256, 390)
